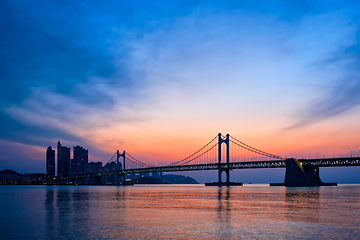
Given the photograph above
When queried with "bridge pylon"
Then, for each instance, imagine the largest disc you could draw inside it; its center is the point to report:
(118, 155)
(223, 167)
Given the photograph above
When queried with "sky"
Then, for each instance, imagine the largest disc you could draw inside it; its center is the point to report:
(162, 78)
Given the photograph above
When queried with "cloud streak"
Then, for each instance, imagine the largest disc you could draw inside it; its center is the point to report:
(338, 68)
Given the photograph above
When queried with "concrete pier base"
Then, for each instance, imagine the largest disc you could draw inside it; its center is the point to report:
(219, 184)
(303, 184)
(301, 175)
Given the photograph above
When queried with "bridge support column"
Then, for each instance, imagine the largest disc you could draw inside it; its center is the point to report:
(219, 157)
(223, 167)
(227, 175)
(118, 155)
(301, 175)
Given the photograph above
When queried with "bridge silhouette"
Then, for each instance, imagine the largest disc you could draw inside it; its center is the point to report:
(225, 153)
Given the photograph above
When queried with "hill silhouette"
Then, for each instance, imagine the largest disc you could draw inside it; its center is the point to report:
(148, 180)
(9, 172)
(178, 179)
(165, 179)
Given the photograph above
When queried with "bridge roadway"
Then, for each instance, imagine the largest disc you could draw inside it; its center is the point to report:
(324, 162)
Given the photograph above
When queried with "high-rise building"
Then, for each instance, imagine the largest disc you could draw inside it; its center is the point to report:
(80, 161)
(63, 156)
(111, 166)
(94, 167)
(50, 162)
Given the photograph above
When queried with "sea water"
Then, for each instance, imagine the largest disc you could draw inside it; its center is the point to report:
(179, 212)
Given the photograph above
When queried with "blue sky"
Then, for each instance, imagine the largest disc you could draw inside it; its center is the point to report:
(159, 77)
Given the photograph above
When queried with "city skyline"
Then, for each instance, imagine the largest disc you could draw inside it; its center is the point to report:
(160, 79)
(65, 164)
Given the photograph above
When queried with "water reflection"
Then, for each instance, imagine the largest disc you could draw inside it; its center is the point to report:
(80, 210)
(223, 212)
(223, 197)
(303, 204)
(63, 209)
(198, 212)
(120, 197)
(50, 211)
(67, 209)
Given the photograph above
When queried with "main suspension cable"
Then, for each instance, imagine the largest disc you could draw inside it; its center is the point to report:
(181, 161)
(252, 149)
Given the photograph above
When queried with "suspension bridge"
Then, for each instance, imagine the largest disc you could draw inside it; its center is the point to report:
(225, 153)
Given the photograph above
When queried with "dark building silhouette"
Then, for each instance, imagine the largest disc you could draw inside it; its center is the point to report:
(94, 167)
(63, 156)
(50, 162)
(79, 163)
(111, 167)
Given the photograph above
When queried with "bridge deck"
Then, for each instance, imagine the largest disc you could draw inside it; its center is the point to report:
(326, 162)
(333, 162)
(202, 167)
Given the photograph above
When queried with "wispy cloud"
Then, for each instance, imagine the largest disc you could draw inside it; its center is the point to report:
(335, 55)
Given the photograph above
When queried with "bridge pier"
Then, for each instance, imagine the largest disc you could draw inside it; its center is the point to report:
(118, 155)
(221, 167)
(123, 155)
(301, 175)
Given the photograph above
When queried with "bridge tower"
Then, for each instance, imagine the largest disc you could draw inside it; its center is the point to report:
(223, 167)
(118, 155)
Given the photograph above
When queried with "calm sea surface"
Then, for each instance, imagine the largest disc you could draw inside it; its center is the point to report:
(179, 212)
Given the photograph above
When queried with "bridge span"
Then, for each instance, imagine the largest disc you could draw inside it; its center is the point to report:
(325, 162)
(226, 153)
